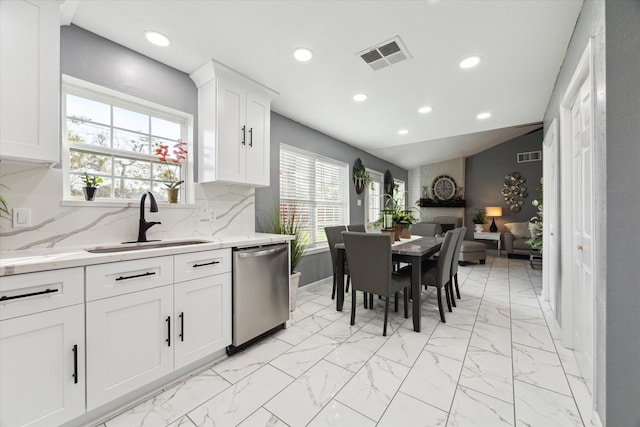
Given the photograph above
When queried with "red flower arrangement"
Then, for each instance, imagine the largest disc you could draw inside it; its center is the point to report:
(178, 155)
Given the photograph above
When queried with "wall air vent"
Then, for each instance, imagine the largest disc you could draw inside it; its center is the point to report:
(530, 156)
(385, 54)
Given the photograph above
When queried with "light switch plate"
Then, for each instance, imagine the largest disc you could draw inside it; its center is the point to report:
(21, 217)
(359, 202)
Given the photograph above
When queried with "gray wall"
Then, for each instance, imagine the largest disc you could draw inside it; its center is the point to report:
(485, 173)
(623, 205)
(286, 131)
(92, 58)
(591, 26)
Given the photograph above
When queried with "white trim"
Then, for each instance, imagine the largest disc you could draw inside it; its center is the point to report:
(550, 278)
(583, 71)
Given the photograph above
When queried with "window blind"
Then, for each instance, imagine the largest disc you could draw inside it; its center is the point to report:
(316, 188)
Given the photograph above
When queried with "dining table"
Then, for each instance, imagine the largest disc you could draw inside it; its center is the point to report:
(412, 251)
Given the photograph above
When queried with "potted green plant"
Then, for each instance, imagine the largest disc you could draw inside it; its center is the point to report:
(402, 218)
(361, 177)
(289, 221)
(535, 223)
(91, 184)
(478, 219)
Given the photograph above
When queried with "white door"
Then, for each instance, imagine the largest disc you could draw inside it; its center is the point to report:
(42, 380)
(232, 131)
(258, 120)
(203, 317)
(551, 253)
(129, 343)
(582, 230)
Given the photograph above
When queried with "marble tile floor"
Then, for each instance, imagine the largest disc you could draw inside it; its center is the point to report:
(497, 361)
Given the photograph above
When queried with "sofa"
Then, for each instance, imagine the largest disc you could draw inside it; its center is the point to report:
(515, 239)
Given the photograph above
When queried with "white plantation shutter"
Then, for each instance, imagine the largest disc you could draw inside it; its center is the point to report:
(317, 187)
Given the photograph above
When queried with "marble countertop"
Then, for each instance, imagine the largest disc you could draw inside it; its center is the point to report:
(33, 260)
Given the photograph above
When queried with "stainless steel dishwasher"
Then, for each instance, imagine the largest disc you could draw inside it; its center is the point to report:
(260, 293)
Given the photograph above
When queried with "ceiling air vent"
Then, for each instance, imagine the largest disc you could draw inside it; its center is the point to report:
(530, 156)
(384, 54)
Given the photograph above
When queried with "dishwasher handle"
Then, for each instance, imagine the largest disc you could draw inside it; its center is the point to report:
(264, 252)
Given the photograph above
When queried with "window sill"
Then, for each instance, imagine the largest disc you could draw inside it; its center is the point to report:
(123, 204)
(314, 251)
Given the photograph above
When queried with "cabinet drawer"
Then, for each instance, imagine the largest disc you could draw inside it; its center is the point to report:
(201, 264)
(107, 280)
(35, 292)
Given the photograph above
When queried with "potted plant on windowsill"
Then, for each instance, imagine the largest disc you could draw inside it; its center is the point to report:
(479, 219)
(177, 156)
(91, 184)
(289, 221)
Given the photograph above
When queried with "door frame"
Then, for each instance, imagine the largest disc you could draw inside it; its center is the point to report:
(584, 70)
(550, 270)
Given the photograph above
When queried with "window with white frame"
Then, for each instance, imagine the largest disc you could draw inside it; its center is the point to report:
(316, 188)
(399, 192)
(374, 197)
(132, 144)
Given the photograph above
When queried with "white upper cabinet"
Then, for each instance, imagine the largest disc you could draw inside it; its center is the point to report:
(30, 80)
(233, 126)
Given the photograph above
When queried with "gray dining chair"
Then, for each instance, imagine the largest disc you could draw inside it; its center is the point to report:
(424, 229)
(334, 236)
(454, 262)
(369, 256)
(438, 272)
(357, 227)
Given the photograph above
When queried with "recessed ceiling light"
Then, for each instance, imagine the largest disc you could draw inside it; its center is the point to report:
(403, 132)
(424, 110)
(302, 54)
(157, 38)
(359, 97)
(483, 116)
(470, 62)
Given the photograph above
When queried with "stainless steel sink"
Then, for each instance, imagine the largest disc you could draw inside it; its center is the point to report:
(141, 246)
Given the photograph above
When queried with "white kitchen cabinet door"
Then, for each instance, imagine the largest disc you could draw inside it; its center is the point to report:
(232, 132)
(258, 144)
(203, 317)
(129, 343)
(42, 375)
(30, 80)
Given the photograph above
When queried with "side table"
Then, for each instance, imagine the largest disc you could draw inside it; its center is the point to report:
(487, 235)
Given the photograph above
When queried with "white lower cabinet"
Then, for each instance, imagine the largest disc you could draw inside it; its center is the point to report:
(203, 317)
(42, 375)
(129, 343)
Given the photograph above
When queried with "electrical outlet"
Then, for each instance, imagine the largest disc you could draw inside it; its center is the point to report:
(212, 215)
(204, 214)
(21, 217)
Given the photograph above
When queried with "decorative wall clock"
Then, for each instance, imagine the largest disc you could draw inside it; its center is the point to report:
(514, 191)
(443, 187)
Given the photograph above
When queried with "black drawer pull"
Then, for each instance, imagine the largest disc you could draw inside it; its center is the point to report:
(75, 364)
(244, 130)
(148, 273)
(206, 263)
(48, 291)
(250, 137)
(168, 340)
(182, 326)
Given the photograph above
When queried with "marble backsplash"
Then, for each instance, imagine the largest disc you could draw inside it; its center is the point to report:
(54, 224)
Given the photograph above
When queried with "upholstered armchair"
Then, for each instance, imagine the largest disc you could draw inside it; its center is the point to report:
(515, 239)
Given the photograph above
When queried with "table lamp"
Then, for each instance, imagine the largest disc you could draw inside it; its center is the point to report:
(493, 211)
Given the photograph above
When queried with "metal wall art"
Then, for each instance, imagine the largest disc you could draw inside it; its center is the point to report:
(514, 191)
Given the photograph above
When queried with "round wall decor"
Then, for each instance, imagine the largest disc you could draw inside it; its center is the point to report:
(514, 191)
(443, 187)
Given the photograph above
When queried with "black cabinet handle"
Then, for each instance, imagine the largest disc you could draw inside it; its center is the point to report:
(47, 291)
(168, 340)
(250, 137)
(206, 263)
(244, 131)
(182, 326)
(75, 364)
(148, 273)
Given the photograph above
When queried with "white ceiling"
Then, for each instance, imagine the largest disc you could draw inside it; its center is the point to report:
(522, 44)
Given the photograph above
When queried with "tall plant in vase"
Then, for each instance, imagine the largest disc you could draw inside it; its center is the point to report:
(287, 219)
(177, 155)
(535, 223)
